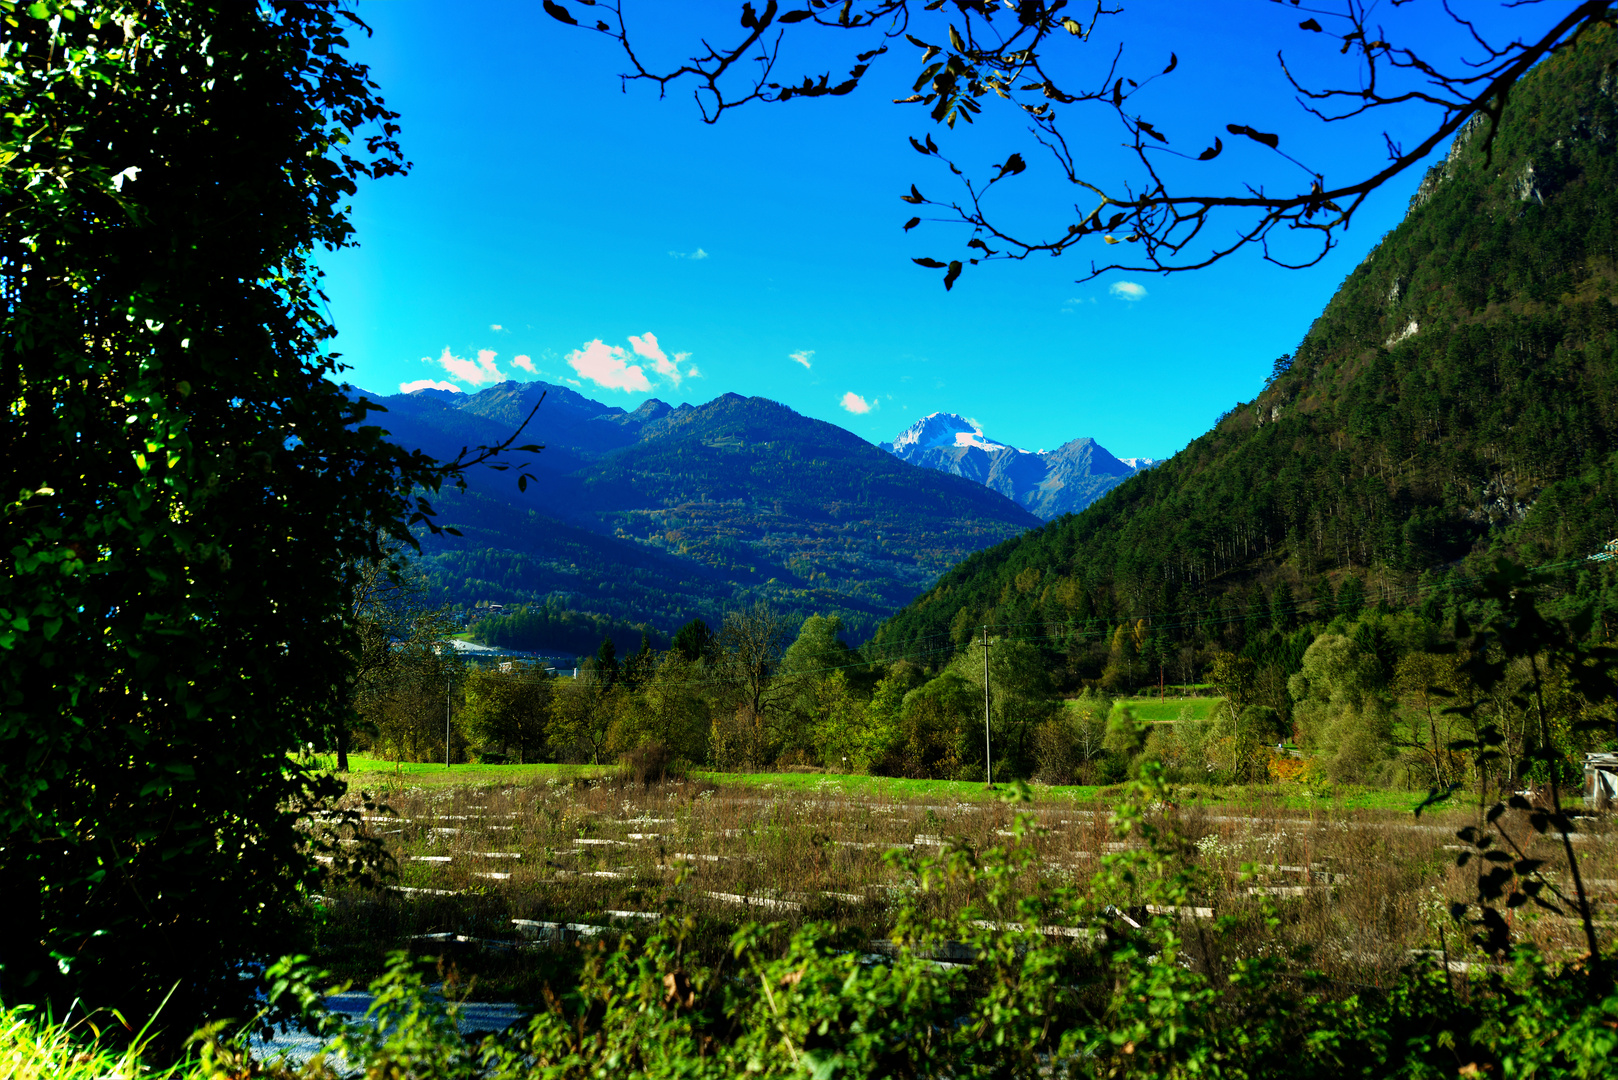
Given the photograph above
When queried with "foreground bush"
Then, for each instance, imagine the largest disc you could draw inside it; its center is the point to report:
(1147, 999)
(1151, 994)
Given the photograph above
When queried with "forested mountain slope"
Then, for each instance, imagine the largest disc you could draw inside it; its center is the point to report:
(665, 514)
(1458, 395)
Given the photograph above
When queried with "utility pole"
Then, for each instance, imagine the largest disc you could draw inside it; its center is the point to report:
(448, 684)
(988, 757)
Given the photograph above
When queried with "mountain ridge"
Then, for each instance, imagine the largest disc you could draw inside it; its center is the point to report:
(670, 512)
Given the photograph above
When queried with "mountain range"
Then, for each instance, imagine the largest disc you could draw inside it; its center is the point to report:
(1456, 400)
(1047, 484)
(666, 513)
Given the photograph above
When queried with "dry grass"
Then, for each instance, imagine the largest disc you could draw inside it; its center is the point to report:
(1354, 894)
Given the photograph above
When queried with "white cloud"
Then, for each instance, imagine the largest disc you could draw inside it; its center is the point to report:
(857, 405)
(615, 367)
(1128, 290)
(608, 366)
(428, 384)
(477, 372)
(802, 356)
(646, 345)
(496, 327)
(697, 254)
(525, 363)
(662, 363)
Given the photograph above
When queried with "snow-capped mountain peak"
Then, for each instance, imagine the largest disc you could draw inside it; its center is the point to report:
(932, 430)
(941, 430)
(1048, 483)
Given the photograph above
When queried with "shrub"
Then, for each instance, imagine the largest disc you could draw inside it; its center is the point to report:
(650, 763)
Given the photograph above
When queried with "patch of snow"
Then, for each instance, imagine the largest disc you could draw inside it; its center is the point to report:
(975, 438)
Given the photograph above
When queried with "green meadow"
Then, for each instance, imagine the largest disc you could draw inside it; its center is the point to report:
(1157, 710)
(371, 773)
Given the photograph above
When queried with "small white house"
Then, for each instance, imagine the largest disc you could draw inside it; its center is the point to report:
(1600, 781)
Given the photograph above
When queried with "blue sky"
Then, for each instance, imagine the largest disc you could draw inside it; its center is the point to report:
(555, 227)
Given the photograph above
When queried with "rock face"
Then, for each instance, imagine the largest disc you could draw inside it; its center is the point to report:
(1047, 483)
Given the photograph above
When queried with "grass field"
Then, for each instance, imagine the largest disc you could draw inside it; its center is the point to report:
(1154, 711)
(571, 854)
(367, 772)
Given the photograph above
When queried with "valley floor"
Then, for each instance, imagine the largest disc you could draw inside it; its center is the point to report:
(502, 868)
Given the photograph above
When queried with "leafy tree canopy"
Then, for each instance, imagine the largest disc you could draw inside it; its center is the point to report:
(185, 488)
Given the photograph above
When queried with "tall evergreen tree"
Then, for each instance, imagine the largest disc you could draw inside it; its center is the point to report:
(607, 662)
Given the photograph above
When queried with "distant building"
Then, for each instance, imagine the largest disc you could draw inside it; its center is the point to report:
(1600, 781)
(513, 667)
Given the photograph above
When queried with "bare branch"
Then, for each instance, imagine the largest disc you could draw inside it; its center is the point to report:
(975, 51)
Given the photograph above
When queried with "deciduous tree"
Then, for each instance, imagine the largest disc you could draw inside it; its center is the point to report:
(583, 712)
(185, 486)
(509, 707)
(397, 638)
